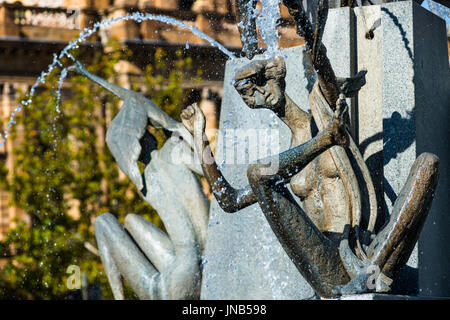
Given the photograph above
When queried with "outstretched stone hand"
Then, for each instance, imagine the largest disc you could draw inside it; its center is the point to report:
(156, 265)
(127, 136)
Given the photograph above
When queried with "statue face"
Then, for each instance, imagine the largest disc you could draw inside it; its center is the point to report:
(261, 83)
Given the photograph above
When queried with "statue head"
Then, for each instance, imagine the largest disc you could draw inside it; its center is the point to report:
(261, 83)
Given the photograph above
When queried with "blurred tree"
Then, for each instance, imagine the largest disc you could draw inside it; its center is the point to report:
(62, 164)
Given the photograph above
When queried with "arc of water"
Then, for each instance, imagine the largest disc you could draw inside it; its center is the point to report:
(136, 16)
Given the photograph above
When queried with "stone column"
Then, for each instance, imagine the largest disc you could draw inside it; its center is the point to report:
(400, 114)
(202, 22)
(123, 29)
(416, 103)
(7, 26)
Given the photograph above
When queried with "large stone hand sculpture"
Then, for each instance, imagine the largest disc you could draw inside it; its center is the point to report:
(156, 265)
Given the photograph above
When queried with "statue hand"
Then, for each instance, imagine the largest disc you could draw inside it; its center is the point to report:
(123, 139)
(193, 119)
(351, 86)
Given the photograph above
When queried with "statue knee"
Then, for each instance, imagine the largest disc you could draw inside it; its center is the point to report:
(131, 220)
(257, 174)
(254, 174)
(429, 160)
(426, 170)
(107, 224)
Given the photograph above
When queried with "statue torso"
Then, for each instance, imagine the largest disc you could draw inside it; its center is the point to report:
(320, 188)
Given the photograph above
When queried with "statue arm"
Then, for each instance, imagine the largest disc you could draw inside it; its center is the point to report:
(229, 198)
(158, 118)
(313, 36)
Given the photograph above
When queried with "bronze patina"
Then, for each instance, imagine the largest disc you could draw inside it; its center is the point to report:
(326, 242)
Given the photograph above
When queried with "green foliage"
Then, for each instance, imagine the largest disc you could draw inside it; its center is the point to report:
(62, 165)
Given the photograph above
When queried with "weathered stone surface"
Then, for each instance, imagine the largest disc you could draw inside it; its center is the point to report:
(368, 110)
(400, 114)
(408, 73)
(416, 101)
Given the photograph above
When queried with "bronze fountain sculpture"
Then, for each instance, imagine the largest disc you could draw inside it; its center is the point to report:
(325, 242)
(331, 238)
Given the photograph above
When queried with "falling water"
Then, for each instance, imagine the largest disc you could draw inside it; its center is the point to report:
(63, 77)
(439, 9)
(84, 35)
(247, 39)
(267, 21)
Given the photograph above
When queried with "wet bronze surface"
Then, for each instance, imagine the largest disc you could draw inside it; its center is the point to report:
(342, 266)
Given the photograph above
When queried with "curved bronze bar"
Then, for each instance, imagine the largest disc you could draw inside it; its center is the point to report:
(322, 114)
(327, 78)
(329, 87)
(393, 245)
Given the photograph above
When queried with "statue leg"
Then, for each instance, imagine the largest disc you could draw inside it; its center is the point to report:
(122, 257)
(314, 255)
(391, 248)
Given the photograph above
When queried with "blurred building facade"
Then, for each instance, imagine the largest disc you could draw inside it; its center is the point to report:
(31, 31)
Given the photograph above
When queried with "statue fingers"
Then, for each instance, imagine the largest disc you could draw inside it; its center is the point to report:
(337, 125)
(341, 107)
(122, 258)
(199, 118)
(193, 119)
(132, 168)
(155, 244)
